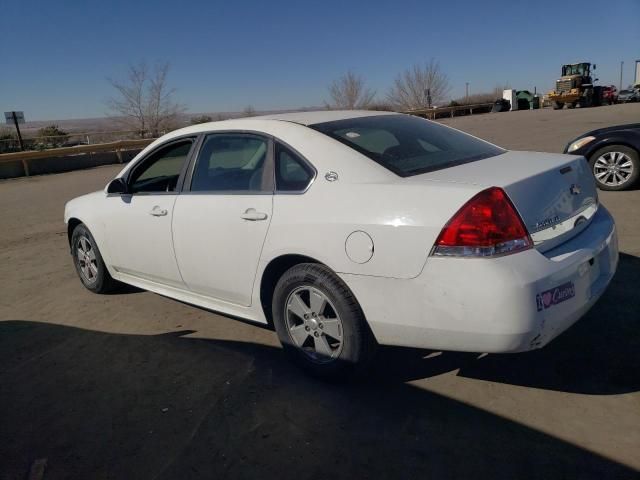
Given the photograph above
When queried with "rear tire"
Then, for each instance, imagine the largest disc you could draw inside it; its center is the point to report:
(586, 101)
(571, 105)
(320, 323)
(88, 261)
(615, 163)
(558, 105)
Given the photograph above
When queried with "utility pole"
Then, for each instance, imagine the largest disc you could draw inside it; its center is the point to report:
(621, 64)
(466, 95)
(15, 121)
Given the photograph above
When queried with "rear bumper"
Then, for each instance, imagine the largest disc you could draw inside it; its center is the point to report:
(509, 304)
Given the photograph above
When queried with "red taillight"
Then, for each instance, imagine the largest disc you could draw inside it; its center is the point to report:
(486, 225)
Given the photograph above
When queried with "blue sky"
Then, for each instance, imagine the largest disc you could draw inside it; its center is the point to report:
(55, 56)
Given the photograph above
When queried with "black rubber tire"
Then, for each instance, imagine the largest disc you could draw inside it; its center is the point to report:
(103, 282)
(586, 101)
(571, 105)
(635, 160)
(558, 105)
(359, 345)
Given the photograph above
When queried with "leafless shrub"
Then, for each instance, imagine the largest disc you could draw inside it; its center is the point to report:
(8, 140)
(350, 92)
(52, 136)
(145, 101)
(412, 87)
(201, 119)
(381, 107)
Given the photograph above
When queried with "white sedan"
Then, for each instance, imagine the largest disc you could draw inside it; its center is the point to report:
(345, 230)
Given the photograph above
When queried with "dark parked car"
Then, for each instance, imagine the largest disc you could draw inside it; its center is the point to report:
(628, 96)
(613, 153)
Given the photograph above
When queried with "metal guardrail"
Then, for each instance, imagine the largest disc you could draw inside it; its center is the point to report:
(116, 147)
(433, 112)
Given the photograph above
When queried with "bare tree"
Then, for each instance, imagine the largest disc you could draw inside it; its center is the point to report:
(144, 100)
(350, 92)
(412, 87)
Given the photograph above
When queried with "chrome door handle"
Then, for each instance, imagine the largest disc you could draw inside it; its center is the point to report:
(252, 215)
(158, 212)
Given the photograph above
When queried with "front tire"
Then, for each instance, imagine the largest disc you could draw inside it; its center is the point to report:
(88, 261)
(320, 323)
(615, 167)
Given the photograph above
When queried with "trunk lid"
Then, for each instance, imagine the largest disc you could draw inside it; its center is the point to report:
(554, 194)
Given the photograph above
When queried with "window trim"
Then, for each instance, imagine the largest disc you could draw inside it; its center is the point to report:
(183, 187)
(314, 171)
(142, 161)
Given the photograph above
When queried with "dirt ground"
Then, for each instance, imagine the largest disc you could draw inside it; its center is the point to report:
(137, 386)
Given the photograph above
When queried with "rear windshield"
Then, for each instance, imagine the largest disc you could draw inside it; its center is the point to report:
(408, 145)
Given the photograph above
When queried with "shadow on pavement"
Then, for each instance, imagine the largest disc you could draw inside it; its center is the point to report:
(102, 405)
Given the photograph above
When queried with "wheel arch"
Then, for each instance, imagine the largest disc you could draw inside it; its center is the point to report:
(272, 273)
(72, 223)
(624, 142)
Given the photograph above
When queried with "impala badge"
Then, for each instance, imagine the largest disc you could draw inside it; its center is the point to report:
(575, 189)
(547, 222)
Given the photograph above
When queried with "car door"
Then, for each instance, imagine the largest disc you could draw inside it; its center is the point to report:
(221, 218)
(138, 223)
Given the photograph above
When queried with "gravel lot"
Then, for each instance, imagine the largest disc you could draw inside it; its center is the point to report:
(138, 386)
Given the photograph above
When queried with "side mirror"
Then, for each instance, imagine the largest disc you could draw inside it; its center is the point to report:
(594, 66)
(117, 185)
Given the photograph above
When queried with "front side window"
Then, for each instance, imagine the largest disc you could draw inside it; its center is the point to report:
(292, 173)
(160, 171)
(233, 162)
(408, 145)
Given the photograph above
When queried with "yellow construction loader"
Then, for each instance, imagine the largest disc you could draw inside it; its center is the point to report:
(575, 87)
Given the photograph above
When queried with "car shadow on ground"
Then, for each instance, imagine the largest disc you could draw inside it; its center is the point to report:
(104, 405)
(599, 355)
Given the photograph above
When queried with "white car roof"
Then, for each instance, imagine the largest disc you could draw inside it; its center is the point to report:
(249, 123)
(321, 116)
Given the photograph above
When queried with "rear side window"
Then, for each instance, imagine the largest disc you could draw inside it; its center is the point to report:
(292, 173)
(408, 145)
(232, 162)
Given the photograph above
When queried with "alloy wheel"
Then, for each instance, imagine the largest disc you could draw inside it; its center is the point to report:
(313, 324)
(87, 261)
(613, 168)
